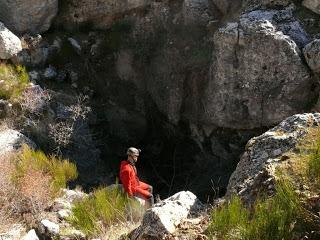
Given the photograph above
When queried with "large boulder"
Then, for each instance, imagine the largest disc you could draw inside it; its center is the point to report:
(28, 16)
(257, 67)
(312, 55)
(164, 217)
(96, 13)
(11, 140)
(313, 5)
(10, 44)
(256, 171)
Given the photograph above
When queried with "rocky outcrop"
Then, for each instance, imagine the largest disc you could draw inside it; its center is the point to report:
(11, 140)
(54, 223)
(313, 5)
(10, 44)
(195, 11)
(25, 16)
(312, 55)
(164, 217)
(31, 235)
(256, 171)
(96, 13)
(229, 6)
(257, 66)
(15, 232)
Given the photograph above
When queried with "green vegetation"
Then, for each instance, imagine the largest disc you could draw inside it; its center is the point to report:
(269, 219)
(314, 162)
(285, 215)
(60, 170)
(14, 79)
(105, 207)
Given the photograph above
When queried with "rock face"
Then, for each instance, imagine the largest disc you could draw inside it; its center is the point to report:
(256, 169)
(165, 216)
(11, 140)
(312, 55)
(97, 13)
(10, 44)
(22, 16)
(31, 235)
(258, 67)
(229, 6)
(195, 11)
(313, 5)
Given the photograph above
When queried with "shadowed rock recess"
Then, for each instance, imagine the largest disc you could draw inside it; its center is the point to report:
(187, 81)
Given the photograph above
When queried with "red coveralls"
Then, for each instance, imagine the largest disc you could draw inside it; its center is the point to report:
(131, 182)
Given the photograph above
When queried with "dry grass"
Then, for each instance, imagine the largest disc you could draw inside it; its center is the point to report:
(118, 231)
(25, 196)
(6, 191)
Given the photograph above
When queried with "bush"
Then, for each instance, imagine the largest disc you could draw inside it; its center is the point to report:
(269, 219)
(25, 182)
(314, 161)
(105, 207)
(14, 79)
(59, 170)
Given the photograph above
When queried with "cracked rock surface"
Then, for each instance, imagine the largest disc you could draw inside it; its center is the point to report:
(258, 77)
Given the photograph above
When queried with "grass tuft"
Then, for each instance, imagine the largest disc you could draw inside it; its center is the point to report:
(14, 80)
(105, 207)
(60, 170)
(269, 219)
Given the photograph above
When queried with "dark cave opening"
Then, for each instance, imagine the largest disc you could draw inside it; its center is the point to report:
(172, 160)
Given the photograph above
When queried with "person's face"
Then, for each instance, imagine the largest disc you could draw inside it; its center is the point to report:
(134, 157)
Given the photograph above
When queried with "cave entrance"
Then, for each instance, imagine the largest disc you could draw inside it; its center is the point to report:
(171, 160)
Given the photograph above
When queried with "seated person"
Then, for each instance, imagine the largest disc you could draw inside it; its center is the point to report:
(129, 178)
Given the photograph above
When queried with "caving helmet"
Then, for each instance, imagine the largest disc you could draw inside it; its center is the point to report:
(133, 151)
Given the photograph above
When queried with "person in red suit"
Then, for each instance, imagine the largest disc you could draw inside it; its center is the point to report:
(129, 178)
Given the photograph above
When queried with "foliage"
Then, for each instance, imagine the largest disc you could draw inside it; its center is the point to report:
(314, 161)
(64, 131)
(14, 79)
(60, 170)
(105, 207)
(269, 219)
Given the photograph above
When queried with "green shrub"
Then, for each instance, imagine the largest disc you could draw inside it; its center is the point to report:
(230, 216)
(60, 170)
(15, 80)
(105, 207)
(269, 219)
(314, 161)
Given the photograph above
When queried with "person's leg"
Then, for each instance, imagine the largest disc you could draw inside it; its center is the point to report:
(145, 186)
(145, 194)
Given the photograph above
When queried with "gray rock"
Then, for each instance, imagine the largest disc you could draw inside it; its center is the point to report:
(256, 68)
(74, 43)
(73, 195)
(11, 140)
(163, 217)
(34, 76)
(229, 6)
(100, 14)
(312, 55)
(313, 5)
(50, 73)
(31, 235)
(10, 44)
(32, 16)
(48, 227)
(256, 170)
(64, 213)
(195, 12)
(15, 232)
